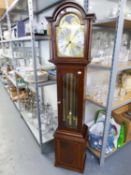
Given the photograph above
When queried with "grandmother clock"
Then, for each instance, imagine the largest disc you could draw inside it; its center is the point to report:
(70, 29)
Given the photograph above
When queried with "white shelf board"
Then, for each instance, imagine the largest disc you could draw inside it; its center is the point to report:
(121, 66)
(5, 41)
(9, 57)
(22, 75)
(47, 83)
(26, 38)
(45, 137)
(34, 130)
(95, 102)
(17, 105)
(6, 56)
(12, 80)
(122, 101)
(99, 66)
(31, 85)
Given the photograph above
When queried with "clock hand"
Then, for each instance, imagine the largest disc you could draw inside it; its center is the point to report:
(68, 44)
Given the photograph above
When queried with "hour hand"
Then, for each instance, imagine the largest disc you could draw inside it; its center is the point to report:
(68, 44)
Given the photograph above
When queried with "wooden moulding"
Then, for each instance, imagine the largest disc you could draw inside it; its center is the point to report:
(3, 6)
(2, 11)
(120, 117)
(112, 24)
(123, 100)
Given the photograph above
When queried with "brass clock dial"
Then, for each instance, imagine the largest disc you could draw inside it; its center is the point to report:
(70, 37)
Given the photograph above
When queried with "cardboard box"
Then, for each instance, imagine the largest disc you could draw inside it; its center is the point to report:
(120, 115)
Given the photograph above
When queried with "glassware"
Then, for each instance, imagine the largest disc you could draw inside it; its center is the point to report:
(95, 92)
(117, 94)
(122, 93)
(129, 56)
(113, 12)
(46, 117)
(124, 53)
(102, 48)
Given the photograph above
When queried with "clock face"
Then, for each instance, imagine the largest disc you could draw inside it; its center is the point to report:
(70, 37)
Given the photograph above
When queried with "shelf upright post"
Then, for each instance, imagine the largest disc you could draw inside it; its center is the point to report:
(113, 75)
(31, 22)
(40, 54)
(11, 46)
(1, 36)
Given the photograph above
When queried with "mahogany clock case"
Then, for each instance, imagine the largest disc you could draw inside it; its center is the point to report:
(71, 134)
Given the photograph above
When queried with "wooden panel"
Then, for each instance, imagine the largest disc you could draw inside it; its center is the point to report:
(121, 116)
(2, 3)
(3, 7)
(112, 24)
(70, 151)
(2, 11)
(122, 101)
(100, 65)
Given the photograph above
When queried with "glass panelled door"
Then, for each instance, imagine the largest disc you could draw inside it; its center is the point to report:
(70, 115)
(70, 97)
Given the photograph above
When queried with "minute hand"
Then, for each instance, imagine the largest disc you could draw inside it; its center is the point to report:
(68, 44)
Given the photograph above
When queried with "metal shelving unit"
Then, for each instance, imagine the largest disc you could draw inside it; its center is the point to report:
(26, 38)
(26, 10)
(118, 23)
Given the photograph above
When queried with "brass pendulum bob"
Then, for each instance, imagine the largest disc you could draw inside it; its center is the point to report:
(70, 118)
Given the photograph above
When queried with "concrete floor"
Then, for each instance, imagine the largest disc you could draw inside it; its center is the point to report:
(20, 154)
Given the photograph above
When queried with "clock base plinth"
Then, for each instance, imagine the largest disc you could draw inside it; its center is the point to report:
(70, 150)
